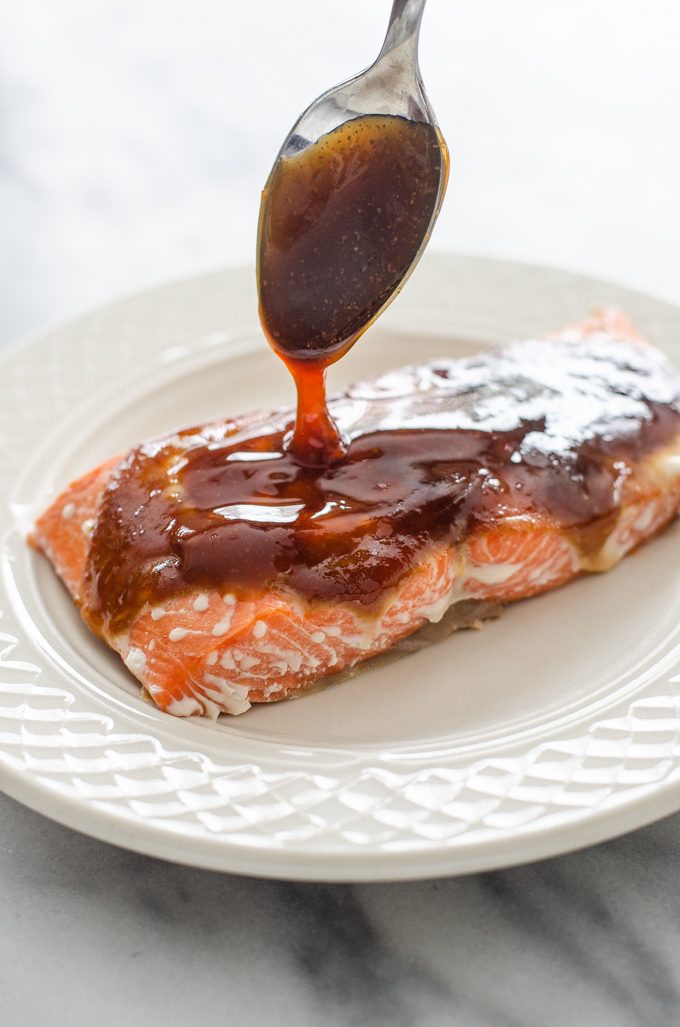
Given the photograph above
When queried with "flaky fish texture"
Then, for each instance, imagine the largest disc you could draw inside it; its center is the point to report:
(206, 651)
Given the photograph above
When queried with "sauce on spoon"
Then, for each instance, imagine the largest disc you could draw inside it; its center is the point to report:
(341, 225)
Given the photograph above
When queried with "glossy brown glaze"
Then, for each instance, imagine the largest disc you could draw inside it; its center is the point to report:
(550, 430)
(341, 223)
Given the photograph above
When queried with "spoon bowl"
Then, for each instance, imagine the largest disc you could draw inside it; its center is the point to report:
(350, 202)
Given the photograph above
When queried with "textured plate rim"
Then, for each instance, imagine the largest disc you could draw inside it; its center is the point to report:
(82, 727)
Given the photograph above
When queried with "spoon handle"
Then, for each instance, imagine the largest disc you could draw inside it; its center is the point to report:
(404, 27)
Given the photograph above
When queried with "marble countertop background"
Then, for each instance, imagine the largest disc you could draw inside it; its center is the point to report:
(135, 136)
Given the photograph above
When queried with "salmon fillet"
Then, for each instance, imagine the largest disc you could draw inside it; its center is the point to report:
(202, 650)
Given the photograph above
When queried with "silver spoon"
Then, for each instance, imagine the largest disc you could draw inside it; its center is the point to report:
(347, 211)
(392, 85)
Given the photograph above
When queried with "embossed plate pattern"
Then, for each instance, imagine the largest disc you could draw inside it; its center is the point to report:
(549, 730)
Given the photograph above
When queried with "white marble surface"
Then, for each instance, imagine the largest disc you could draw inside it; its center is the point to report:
(95, 935)
(135, 136)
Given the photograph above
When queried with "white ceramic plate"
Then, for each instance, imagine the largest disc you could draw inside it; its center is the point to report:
(552, 728)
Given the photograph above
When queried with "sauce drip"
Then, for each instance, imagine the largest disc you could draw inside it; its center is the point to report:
(341, 223)
(543, 430)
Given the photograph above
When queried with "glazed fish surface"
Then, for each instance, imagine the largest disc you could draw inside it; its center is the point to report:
(225, 574)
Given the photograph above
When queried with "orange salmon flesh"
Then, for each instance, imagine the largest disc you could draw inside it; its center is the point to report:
(206, 652)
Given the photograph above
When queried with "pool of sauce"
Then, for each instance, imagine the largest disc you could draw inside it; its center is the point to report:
(435, 453)
(340, 226)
